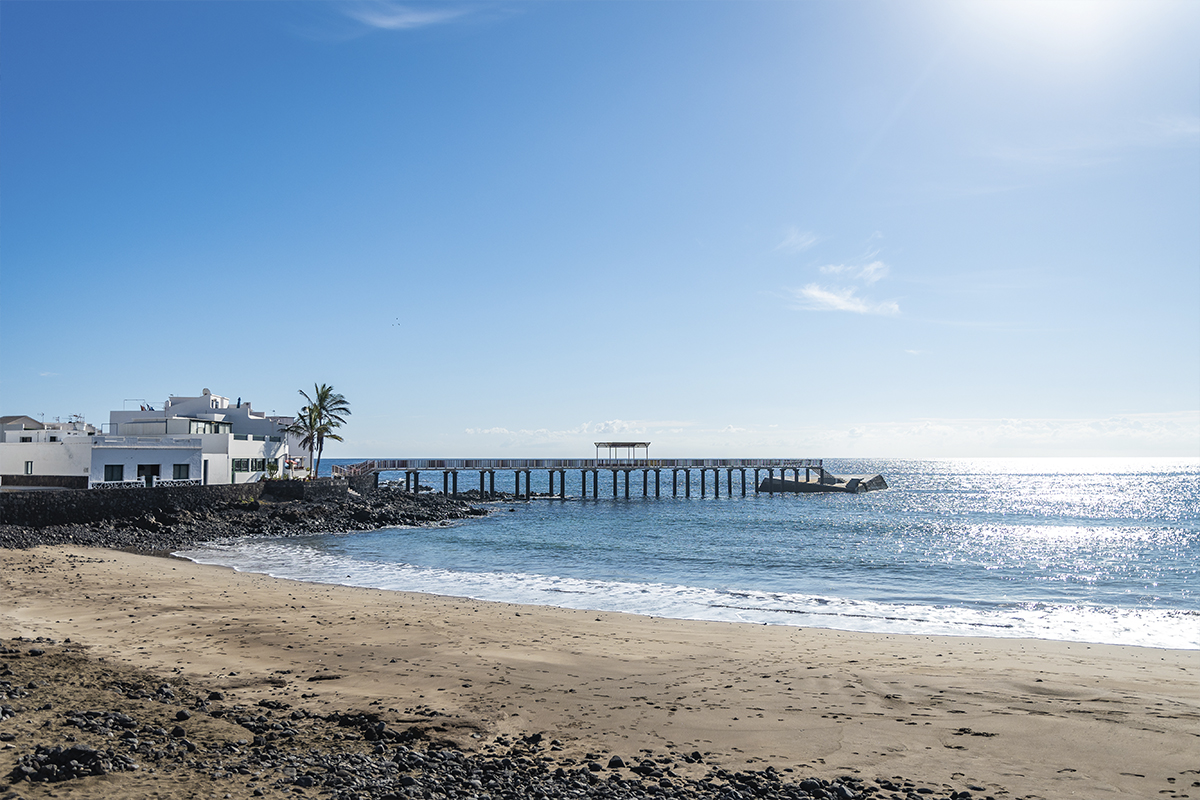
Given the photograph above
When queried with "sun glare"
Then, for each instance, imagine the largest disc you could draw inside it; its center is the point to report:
(1056, 29)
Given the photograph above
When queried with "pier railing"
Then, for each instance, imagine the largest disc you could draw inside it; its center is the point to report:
(524, 464)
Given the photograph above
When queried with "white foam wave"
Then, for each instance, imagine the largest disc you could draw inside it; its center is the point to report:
(1061, 622)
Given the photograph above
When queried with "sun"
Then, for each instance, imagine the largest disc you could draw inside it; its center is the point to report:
(1054, 29)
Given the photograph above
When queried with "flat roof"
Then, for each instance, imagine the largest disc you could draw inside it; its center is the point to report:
(622, 444)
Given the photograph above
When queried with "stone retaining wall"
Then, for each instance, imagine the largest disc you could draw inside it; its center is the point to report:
(60, 481)
(37, 509)
(320, 489)
(364, 484)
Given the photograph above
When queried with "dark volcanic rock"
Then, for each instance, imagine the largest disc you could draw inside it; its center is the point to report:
(174, 529)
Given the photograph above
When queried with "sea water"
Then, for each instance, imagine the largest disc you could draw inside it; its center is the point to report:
(1091, 550)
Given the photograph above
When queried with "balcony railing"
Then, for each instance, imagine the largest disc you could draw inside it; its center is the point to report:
(140, 483)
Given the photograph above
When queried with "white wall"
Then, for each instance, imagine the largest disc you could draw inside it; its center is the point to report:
(16, 435)
(207, 407)
(131, 451)
(220, 450)
(69, 457)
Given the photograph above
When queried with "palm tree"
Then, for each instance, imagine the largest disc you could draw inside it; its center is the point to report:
(326, 410)
(305, 428)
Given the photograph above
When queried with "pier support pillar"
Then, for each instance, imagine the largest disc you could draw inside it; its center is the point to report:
(743, 481)
(656, 483)
(687, 483)
(528, 484)
(454, 476)
(492, 484)
(614, 472)
(481, 474)
(516, 484)
(550, 474)
(645, 483)
(703, 473)
(446, 484)
(729, 482)
(756, 481)
(583, 483)
(626, 484)
(562, 484)
(771, 486)
(674, 483)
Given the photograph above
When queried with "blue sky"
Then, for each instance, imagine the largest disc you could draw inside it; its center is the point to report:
(811, 229)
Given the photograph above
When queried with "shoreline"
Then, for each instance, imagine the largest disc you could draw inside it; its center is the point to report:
(1017, 718)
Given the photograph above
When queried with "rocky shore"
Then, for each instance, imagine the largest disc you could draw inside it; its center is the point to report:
(113, 730)
(170, 527)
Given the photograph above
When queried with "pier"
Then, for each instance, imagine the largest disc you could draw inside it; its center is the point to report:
(557, 469)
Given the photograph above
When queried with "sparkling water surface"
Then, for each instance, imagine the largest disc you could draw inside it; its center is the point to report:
(1096, 550)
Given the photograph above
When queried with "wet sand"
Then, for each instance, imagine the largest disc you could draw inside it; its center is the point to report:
(1012, 718)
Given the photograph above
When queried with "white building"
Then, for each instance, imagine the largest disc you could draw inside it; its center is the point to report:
(190, 440)
(224, 442)
(31, 448)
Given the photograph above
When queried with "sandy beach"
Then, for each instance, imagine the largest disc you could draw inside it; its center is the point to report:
(1006, 717)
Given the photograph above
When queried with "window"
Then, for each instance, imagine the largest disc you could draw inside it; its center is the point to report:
(258, 465)
(54, 438)
(114, 472)
(181, 472)
(147, 470)
(28, 467)
(26, 438)
(241, 465)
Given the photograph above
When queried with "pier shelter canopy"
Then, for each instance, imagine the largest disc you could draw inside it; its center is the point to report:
(630, 449)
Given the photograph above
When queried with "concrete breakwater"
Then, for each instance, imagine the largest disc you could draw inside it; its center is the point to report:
(825, 482)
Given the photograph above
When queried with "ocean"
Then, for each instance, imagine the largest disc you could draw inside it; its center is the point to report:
(1102, 550)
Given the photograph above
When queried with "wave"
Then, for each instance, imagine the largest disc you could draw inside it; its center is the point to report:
(1164, 628)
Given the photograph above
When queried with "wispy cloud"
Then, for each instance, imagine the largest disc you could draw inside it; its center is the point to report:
(850, 277)
(870, 273)
(1149, 434)
(1168, 130)
(396, 17)
(796, 240)
(818, 298)
(606, 428)
(1104, 146)
(48, 374)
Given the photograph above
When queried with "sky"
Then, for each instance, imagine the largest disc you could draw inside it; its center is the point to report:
(733, 229)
